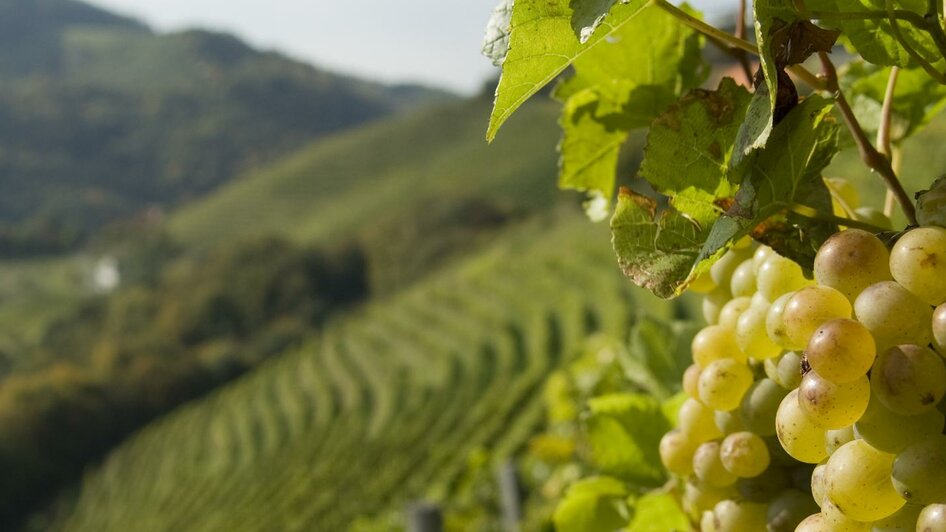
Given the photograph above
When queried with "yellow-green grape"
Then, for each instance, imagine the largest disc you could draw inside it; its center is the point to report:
(893, 315)
(841, 350)
(699, 497)
(691, 381)
(778, 275)
(788, 370)
(708, 522)
(838, 521)
(774, 325)
(799, 435)
(833, 439)
(873, 216)
(765, 486)
(813, 523)
(742, 283)
(857, 480)
(932, 519)
(909, 379)
(904, 520)
(722, 270)
(918, 263)
(831, 405)
(708, 466)
(676, 452)
(844, 195)
(744, 454)
(723, 383)
(817, 484)
(939, 329)
(728, 422)
(759, 298)
(759, 406)
(762, 253)
(919, 472)
(703, 284)
(891, 432)
(751, 335)
(809, 309)
(788, 509)
(729, 315)
(697, 422)
(739, 516)
(715, 342)
(713, 304)
(850, 261)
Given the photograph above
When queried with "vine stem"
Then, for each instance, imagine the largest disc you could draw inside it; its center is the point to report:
(741, 34)
(872, 158)
(815, 214)
(883, 132)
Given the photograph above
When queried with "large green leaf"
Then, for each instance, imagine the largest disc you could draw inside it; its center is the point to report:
(619, 86)
(659, 512)
(542, 43)
(592, 504)
(658, 354)
(624, 431)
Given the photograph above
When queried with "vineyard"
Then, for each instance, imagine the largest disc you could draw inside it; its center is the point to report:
(380, 409)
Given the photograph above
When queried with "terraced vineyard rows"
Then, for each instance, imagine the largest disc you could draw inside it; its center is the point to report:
(383, 407)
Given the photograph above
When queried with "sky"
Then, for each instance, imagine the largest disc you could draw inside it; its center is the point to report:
(435, 42)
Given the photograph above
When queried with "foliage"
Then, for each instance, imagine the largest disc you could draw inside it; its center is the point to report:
(725, 163)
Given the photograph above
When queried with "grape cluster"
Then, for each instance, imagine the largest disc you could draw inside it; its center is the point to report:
(817, 405)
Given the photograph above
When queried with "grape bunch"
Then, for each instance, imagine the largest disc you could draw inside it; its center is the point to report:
(817, 405)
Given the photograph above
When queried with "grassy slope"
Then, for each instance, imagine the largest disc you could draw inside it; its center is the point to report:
(339, 185)
(385, 407)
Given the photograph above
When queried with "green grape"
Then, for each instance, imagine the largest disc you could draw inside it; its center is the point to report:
(939, 329)
(904, 520)
(778, 275)
(809, 309)
(918, 263)
(759, 406)
(893, 315)
(691, 380)
(722, 270)
(798, 434)
(751, 335)
(676, 452)
(728, 422)
(788, 509)
(850, 261)
(778, 453)
(830, 405)
(714, 342)
(919, 472)
(787, 370)
(708, 466)
(875, 217)
(729, 315)
(723, 383)
(932, 519)
(744, 454)
(817, 484)
(699, 497)
(703, 284)
(708, 522)
(838, 521)
(857, 480)
(742, 283)
(813, 523)
(841, 351)
(739, 516)
(696, 421)
(909, 379)
(891, 432)
(762, 253)
(713, 304)
(833, 439)
(764, 487)
(774, 326)
(759, 298)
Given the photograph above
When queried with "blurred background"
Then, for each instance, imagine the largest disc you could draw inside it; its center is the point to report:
(259, 270)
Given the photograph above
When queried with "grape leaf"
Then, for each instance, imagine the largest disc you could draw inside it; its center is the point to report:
(918, 98)
(620, 86)
(784, 174)
(542, 43)
(658, 512)
(931, 204)
(594, 503)
(589, 14)
(496, 39)
(624, 431)
(658, 354)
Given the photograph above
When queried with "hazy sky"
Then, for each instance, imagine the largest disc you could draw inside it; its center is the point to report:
(430, 41)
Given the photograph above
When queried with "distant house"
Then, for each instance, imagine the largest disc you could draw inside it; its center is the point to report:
(105, 275)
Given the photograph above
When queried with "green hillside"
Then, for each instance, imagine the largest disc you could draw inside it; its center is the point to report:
(384, 407)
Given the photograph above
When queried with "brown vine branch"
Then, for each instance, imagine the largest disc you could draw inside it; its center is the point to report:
(872, 158)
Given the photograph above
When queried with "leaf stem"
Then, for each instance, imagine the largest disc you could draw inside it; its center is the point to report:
(872, 158)
(815, 214)
(886, 114)
(706, 29)
(741, 34)
(924, 64)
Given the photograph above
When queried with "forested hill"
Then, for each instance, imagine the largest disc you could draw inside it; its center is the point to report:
(100, 117)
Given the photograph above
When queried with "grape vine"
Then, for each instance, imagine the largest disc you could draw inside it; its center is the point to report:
(815, 397)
